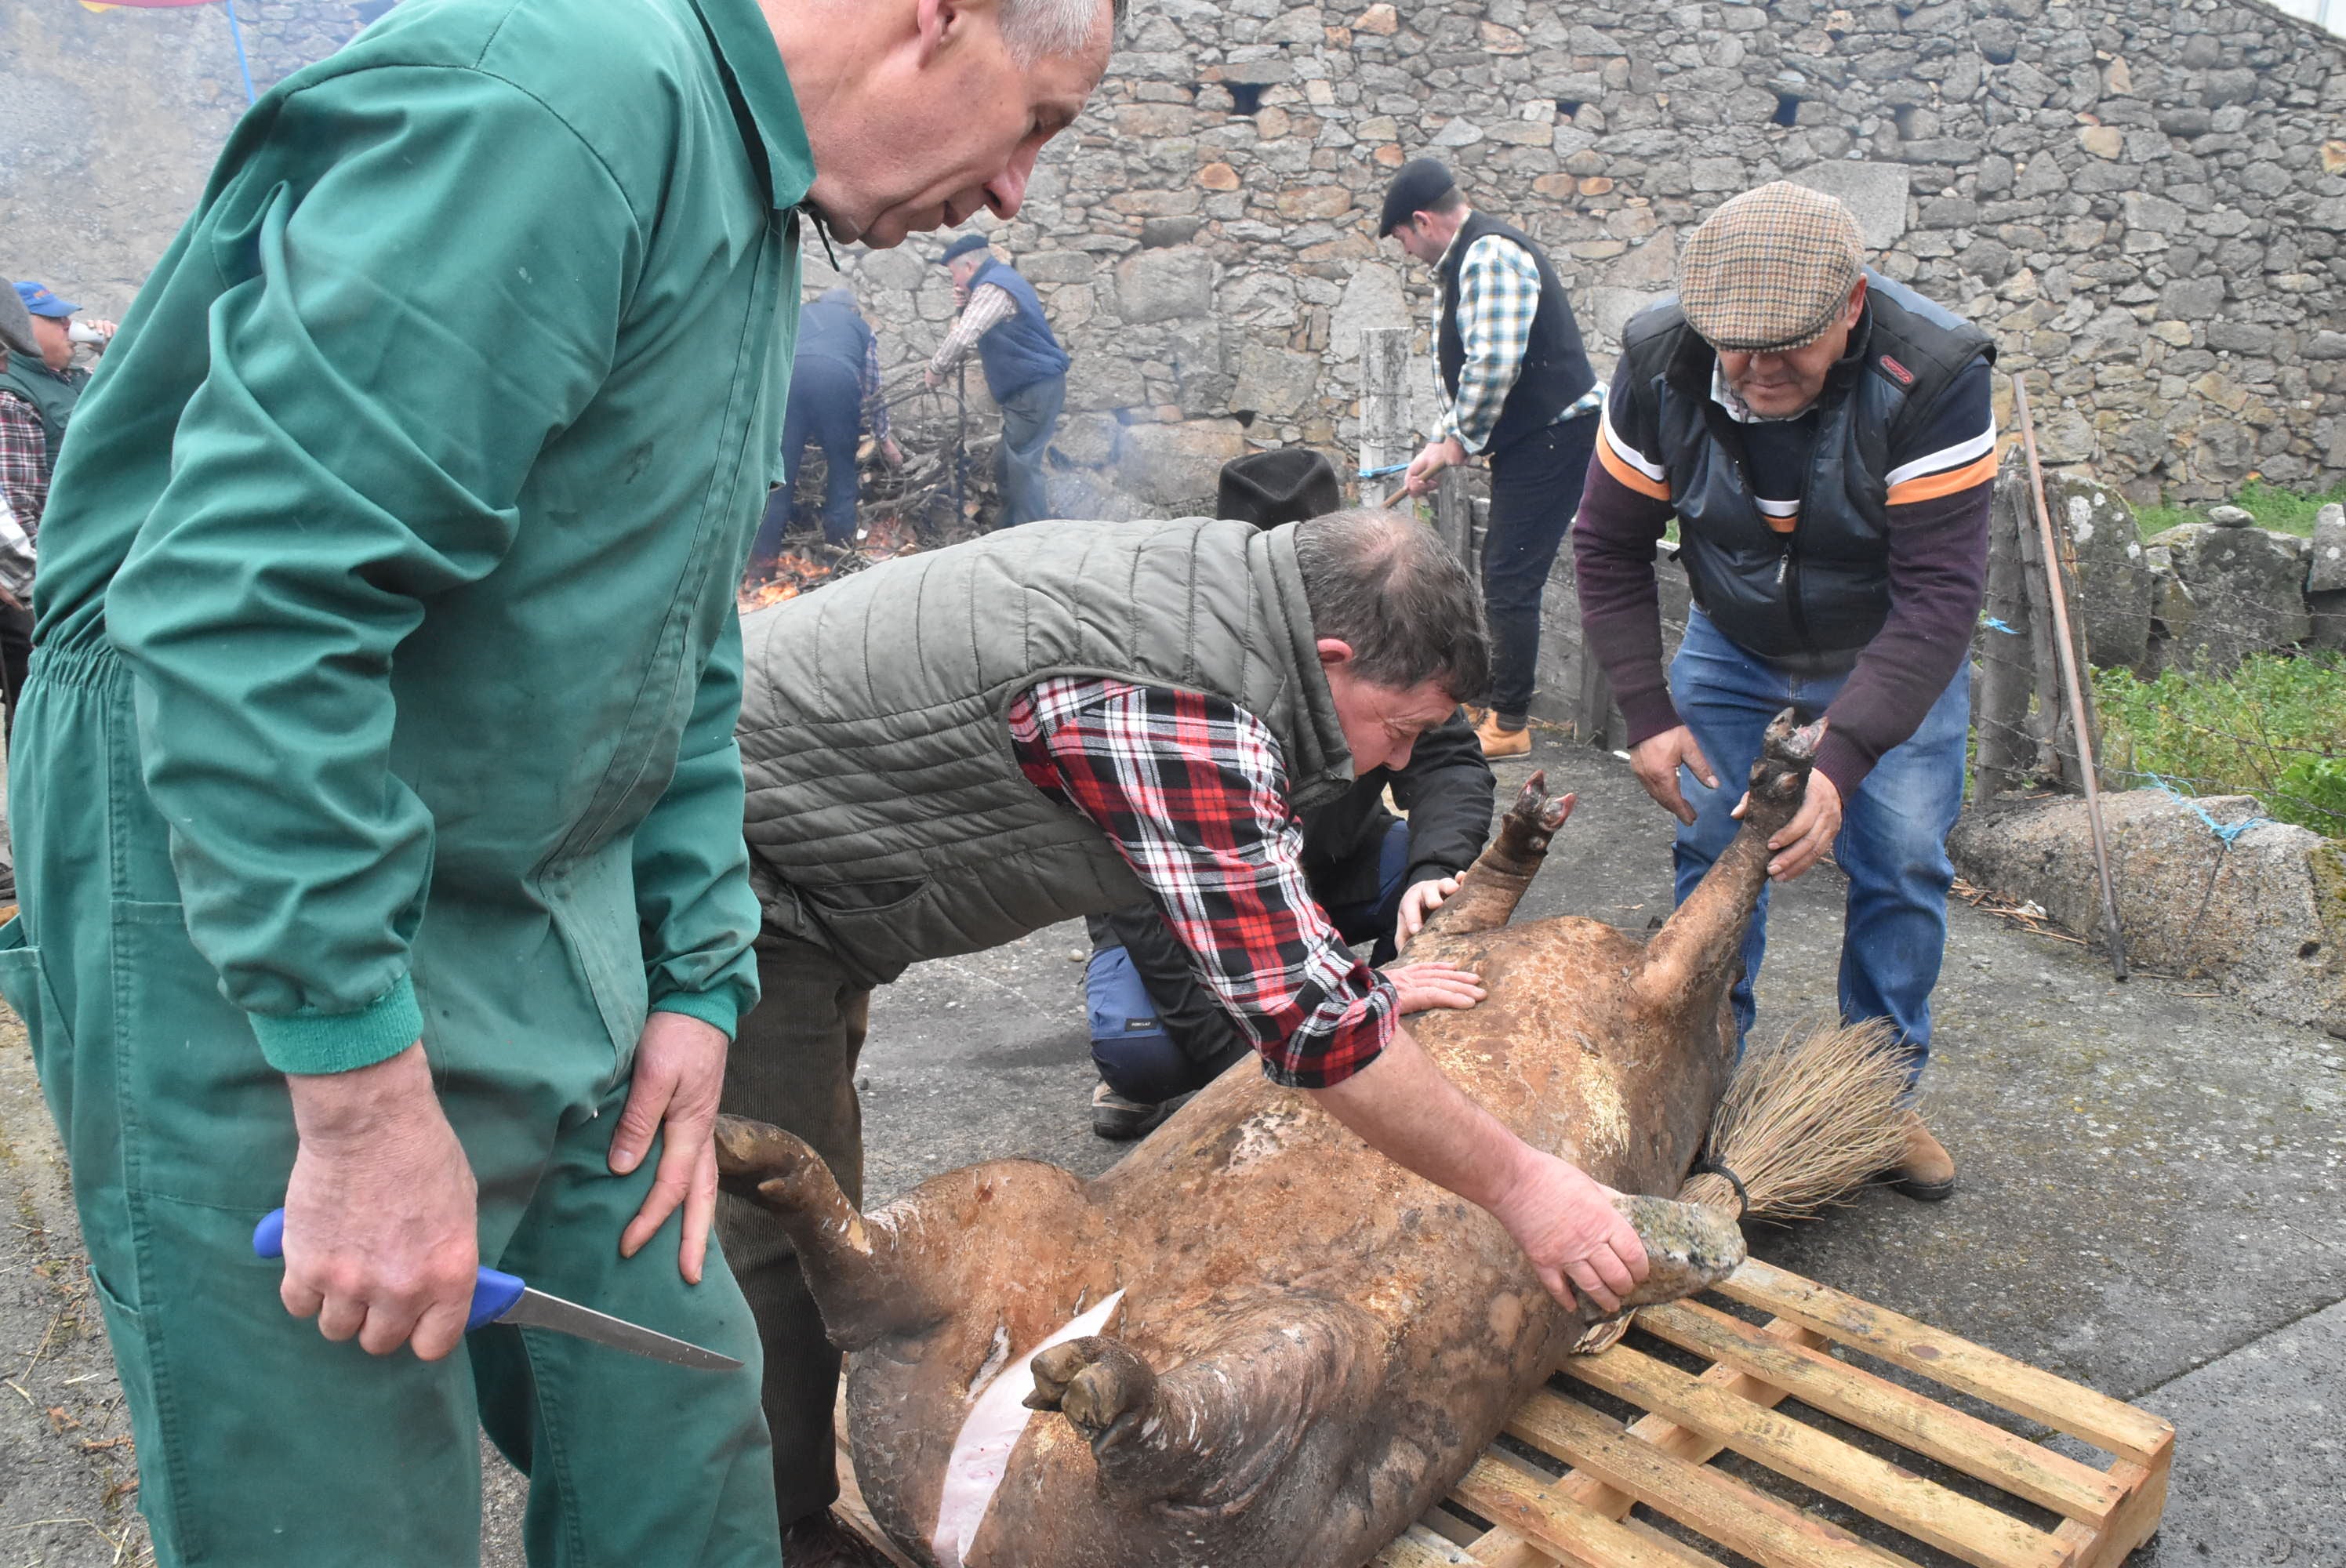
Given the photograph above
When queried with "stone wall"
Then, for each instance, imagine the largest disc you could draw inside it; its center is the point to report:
(114, 119)
(2145, 200)
(2201, 596)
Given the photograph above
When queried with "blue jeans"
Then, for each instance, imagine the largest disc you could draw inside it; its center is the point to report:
(825, 407)
(1029, 415)
(1894, 828)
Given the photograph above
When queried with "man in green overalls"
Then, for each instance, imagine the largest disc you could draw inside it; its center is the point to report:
(382, 857)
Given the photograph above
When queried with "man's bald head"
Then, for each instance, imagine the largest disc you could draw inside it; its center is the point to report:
(1038, 29)
(921, 112)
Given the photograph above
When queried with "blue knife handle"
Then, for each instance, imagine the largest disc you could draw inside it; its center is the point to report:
(494, 1291)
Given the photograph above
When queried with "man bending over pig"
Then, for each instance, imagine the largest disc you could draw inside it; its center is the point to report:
(949, 751)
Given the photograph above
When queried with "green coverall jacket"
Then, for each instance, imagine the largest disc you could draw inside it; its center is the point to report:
(386, 674)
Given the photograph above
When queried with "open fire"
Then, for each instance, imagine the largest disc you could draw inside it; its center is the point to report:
(799, 571)
(793, 575)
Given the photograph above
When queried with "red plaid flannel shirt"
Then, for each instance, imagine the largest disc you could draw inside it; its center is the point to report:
(1192, 791)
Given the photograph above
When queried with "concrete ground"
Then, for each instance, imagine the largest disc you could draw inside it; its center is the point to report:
(2150, 1176)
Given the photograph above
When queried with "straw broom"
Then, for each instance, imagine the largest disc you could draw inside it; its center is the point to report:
(1805, 1121)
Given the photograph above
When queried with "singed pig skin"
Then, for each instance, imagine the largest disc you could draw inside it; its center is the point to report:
(1311, 1344)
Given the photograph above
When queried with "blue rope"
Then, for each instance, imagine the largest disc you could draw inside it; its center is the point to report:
(1992, 624)
(1380, 472)
(2228, 831)
(236, 31)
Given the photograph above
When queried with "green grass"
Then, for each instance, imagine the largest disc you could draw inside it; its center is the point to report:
(2284, 511)
(2275, 728)
(2159, 519)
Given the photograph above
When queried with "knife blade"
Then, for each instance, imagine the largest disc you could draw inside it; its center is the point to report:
(502, 1298)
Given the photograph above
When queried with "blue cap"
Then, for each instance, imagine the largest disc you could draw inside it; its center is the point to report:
(39, 301)
(962, 246)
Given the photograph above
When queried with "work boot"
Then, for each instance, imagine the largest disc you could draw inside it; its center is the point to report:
(1120, 1120)
(1498, 742)
(1926, 1173)
(823, 1541)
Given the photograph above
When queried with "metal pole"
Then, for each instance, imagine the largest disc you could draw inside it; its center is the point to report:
(2067, 652)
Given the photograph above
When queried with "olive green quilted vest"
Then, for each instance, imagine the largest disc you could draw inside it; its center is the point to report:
(887, 820)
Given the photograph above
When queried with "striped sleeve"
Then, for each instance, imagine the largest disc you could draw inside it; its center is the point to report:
(1954, 450)
(1192, 792)
(1624, 458)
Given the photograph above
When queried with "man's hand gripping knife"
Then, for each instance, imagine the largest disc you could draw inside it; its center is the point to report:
(381, 1218)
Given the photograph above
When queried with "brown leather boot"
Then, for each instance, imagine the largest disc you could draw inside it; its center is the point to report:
(822, 1540)
(1497, 742)
(1927, 1172)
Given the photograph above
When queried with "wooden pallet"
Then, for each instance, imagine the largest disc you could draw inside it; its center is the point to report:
(1582, 1518)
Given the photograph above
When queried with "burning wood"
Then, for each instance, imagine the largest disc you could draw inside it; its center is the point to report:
(799, 571)
(793, 575)
(934, 499)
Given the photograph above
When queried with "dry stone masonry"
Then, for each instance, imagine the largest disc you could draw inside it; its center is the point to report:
(2143, 199)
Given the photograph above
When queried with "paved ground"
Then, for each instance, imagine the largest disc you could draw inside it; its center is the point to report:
(2150, 1181)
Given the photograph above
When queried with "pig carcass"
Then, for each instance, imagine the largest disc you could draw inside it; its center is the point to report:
(1255, 1342)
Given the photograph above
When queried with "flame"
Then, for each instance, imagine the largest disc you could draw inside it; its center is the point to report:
(793, 575)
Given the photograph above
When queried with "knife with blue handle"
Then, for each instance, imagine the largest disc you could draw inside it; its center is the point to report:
(501, 1297)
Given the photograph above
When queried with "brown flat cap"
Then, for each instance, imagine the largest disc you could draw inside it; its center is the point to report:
(1767, 270)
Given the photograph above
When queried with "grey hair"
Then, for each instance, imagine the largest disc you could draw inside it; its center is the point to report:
(1389, 586)
(1038, 29)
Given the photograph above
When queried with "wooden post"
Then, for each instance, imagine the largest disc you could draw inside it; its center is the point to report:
(1385, 435)
(2006, 752)
(2073, 591)
(1453, 514)
(2048, 721)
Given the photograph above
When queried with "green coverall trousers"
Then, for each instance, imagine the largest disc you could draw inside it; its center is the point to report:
(259, 1443)
(794, 1064)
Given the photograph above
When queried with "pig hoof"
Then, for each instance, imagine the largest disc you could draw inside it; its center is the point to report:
(1536, 815)
(751, 1155)
(1689, 1248)
(1095, 1381)
(1780, 774)
(1792, 743)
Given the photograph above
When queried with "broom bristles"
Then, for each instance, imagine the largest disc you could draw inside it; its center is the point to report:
(1807, 1120)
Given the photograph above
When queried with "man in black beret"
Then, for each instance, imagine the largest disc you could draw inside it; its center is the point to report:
(1520, 393)
(1025, 368)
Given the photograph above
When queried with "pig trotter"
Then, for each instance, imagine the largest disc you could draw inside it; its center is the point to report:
(1496, 881)
(1701, 940)
(1779, 774)
(1690, 1248)
(1096, 1382)
(861, 1282)
(1213, 1432)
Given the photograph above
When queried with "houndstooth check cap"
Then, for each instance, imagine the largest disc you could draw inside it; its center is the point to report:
(1769, 269)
